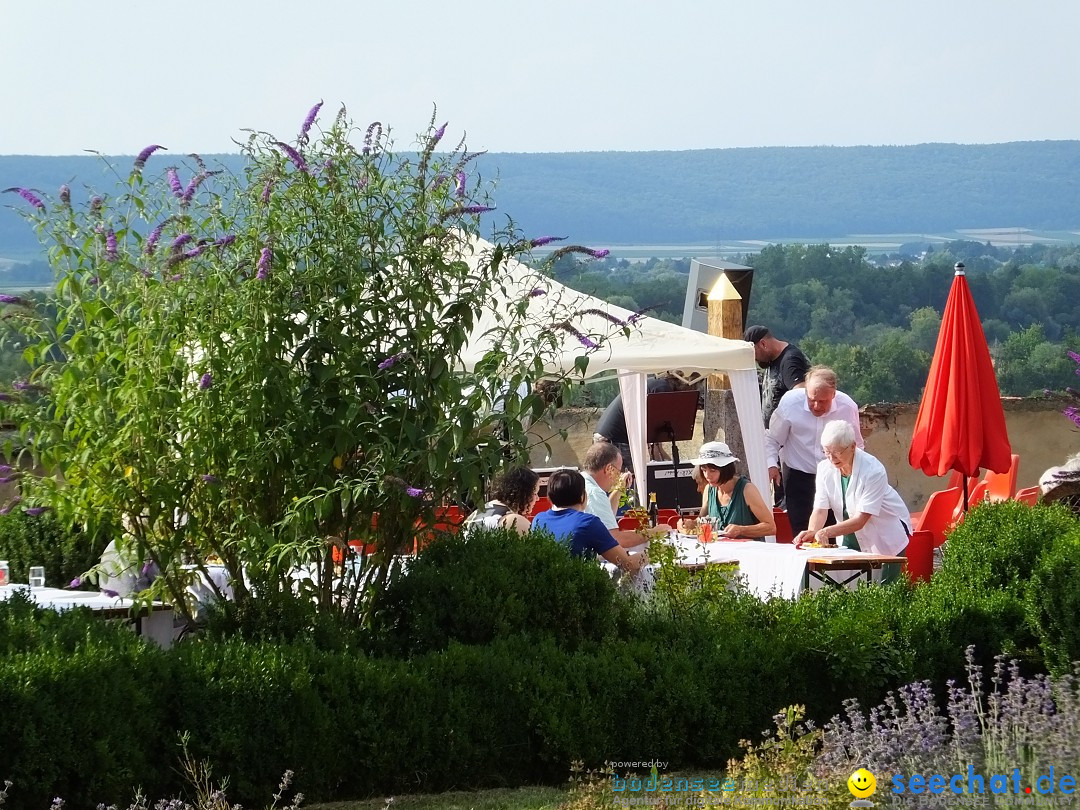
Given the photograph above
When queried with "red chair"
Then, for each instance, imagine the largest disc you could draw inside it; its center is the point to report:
(664, 515)
(937, 517)
(1028, 495)
(1001, 486)
(975, 496)
(542, 505)
(673, 521)
(629, 524)
(920, 556)
(784, 534)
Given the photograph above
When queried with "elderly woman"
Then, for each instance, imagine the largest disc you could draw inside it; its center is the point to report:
(514, 494)
(1062, 484)
(871, 515)
(731, 500)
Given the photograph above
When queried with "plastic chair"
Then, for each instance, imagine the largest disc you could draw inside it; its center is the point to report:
(920, 556)
(542, 504)
(673, 521)
(784, 534)
(1001, 486)
(1028, 495)
(937, 517)
(976, 495)
(629, 524)
(663, 515)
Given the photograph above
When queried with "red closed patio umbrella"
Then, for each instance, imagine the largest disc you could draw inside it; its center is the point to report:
(961, 424)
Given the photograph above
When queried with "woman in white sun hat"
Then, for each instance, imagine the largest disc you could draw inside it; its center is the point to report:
(735, 505)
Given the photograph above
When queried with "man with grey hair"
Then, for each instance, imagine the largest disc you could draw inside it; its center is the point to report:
(793, 440)
(602, 471)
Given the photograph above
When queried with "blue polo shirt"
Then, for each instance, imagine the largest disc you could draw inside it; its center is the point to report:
(584, 533)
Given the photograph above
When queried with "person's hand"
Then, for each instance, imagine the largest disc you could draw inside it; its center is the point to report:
(731, 530)
(774, 475)
(627, 479)
(822, 537)
(804, 537)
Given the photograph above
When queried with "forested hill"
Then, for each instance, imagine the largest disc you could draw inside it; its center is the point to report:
(706, 195)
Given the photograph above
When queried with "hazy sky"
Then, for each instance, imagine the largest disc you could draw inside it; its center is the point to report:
(548, 75)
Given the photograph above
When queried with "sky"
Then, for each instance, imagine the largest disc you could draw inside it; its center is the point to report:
(548, 76)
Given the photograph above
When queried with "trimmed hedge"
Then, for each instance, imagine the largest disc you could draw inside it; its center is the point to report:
(499, 664)
(41, 540)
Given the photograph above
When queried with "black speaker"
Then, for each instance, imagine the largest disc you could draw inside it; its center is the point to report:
(661, 480)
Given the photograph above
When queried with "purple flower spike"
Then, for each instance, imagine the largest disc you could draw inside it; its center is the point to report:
(545, 240)
(392, 360)
(155, 235)
(308, 121)
(7, 479)
(192, 187)
(176, 277)
(4, 397)
(414, 492)
(27, 195)
(371, 138)
(144, 155)
(209, 479)
(36, 511)
(94, 281)
(294, 156)
(65, 195)
(110, 246)
(583, 339)
(1073, 414)
(599, 254)
(6, 468)
(95, 204)
(174, 182)
(459, 184)
(11, 299)
(461, 210)
(75, 583)
(206, 380)
(437, 136)
(181, 240)
(263, 266)
(225, 241)
(110, 592)
(536, 292)
(265, 196)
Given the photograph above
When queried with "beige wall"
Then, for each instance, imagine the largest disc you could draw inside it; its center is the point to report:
(1039, 434)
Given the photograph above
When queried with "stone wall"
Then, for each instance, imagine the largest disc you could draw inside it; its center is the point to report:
(1039, 434)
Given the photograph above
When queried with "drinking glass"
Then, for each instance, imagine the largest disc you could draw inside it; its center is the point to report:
(37, 576)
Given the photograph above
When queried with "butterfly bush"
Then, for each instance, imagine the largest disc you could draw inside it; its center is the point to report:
(293, 334)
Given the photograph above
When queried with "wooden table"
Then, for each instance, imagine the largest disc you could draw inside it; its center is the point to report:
(822, 568)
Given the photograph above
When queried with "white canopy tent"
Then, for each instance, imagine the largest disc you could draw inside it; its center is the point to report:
(652, 346)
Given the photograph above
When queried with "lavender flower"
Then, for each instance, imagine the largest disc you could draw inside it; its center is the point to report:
(459, 184)
(265, 196)
(36, 511)
(544, 240)
(110, 246)
(294, 156)
(392, 360)
(27, 195)
(174, 182)
(414, 492)
(143, 156)
(206, 380)
(65, 195)
(263, 266)
(461, 210)
(11, 299)
(75, 583)
(371, 138)
(308, 121)
(583, 339)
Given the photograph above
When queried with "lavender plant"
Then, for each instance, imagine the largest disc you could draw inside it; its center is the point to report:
(252, 367)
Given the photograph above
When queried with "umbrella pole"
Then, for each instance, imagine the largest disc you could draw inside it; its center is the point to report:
(965, 494)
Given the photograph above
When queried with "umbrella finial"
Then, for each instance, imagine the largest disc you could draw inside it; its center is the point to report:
(959, 268)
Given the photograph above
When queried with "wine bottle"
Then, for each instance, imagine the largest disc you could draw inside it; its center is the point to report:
(654, 511)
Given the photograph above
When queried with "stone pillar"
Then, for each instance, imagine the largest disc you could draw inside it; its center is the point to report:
(725, 320)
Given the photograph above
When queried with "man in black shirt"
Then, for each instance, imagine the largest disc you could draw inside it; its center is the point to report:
(612, 424)
(784, 363)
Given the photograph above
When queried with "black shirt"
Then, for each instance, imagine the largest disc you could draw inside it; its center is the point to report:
(612, 424)
(781, 375)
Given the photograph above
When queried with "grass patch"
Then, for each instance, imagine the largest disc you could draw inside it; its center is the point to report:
(523, 798)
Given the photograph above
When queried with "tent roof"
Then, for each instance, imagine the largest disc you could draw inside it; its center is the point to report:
(652, 346)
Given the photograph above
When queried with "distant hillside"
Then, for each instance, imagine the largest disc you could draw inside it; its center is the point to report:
(707, 195)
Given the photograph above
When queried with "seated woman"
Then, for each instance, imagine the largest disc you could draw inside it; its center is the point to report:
(586, 534)
(737, 507)
(514, 493)
(1062, 484)
(871, 515)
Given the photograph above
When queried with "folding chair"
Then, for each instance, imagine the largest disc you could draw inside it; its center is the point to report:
(1001, 486)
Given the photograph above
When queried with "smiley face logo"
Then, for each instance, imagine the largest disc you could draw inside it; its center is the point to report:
(862, 784)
